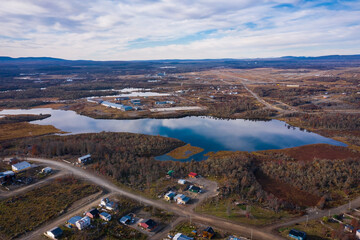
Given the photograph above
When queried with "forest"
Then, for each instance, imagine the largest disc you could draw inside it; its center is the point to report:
(129, 159)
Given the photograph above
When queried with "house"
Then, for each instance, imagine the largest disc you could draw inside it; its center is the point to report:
(83, 223)
(193, 175)
(236, 238)
(357, 235)
(135, 101)
(148, 224)
(85, 159)
(6, 177)
(93, 213)
(54, 233)
(111, 206)
(208, 232)
(126, 220)
(169, 196)
(194, 189)
(21, 166)
(296, 234)
(46, 170)
(105, 216)
(182, 181)
(348, 228)
(180, 236)
(72, 221)
(103, 202)
(181, 199)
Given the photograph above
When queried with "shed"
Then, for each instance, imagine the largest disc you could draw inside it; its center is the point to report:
(85, 159)
(105, 216)
(6, 177)
(54, 233)
(348, 228)
(46, 170)
(193, 175)
(296, 234)
(21, 166)
(182, 181)
(83, 223)
(72, 221)
(169, 196)
(93, 213)
(208, 232)
(111, 206)
(170, 173)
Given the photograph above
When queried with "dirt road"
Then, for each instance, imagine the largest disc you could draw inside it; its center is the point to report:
(240, 229)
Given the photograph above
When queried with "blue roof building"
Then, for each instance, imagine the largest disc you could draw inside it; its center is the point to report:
(296, 234)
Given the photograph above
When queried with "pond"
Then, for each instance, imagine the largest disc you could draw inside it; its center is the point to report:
(204, 132)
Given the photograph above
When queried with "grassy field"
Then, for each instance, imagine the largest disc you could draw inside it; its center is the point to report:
(256, 214)
(185, 152)
(27, 211)
(24, 129)
(314, 230)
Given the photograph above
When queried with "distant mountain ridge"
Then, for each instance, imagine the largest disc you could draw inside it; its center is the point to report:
(51, 59)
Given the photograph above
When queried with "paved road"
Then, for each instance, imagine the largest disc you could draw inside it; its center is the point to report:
(182, 211)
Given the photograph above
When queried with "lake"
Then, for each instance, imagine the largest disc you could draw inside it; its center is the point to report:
(205, 132)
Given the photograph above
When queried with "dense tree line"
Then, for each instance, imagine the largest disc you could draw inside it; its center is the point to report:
(330, 121)
(129, 159)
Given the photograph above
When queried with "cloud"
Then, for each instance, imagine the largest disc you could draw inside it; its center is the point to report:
(160, 29)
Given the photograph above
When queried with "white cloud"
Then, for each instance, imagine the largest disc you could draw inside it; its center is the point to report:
(106, 30)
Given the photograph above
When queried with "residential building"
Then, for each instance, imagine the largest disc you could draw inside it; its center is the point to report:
(21, 166)
(180, 236)
(208, 232)
(126, 220)
(181, 199)
(46, 170)
(72, 221)
(194, 189)
(170, 196)
(83, 223)
(357, 235)
(148, 224)
(93, 213)
(85, 159)
(54, 233)
(105, 216)
(193, 175)
(296, 234)
(182, 181)
(6, 177)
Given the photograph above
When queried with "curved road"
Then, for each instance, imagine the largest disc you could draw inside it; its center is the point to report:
(220, 223)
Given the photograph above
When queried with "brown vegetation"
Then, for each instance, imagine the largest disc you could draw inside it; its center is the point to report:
(185, 152)
(23, 129)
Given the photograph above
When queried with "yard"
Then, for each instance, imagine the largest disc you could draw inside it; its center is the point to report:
(27, 211)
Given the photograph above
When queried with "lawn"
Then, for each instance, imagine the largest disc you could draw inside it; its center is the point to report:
(314, 230)
(257, 215)
(27, 211)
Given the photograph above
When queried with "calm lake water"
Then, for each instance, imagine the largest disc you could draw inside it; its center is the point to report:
(205, 132)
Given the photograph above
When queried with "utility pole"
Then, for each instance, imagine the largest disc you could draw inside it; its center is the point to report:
(251, 234)
(307, 220)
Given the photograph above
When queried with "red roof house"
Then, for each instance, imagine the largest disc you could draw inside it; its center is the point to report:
(193, 175)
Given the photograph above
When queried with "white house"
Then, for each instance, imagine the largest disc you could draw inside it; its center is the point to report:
(83, 223)
(21, 166)
(180, 236)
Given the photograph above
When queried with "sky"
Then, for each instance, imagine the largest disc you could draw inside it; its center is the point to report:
(178, 29)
